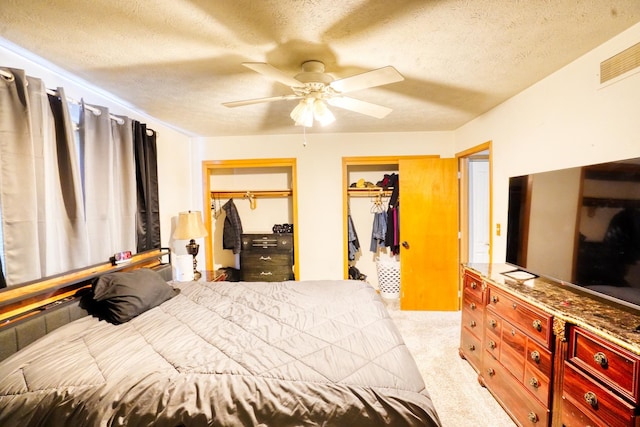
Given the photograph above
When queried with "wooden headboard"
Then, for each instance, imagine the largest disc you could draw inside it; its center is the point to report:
(23, 300)
(29, 311)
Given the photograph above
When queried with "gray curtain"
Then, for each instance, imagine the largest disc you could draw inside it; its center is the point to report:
(148, 216)
(67, 204)
(125, 183)
(66, 239)
(18, 187)
(39, 186)
(109, 173)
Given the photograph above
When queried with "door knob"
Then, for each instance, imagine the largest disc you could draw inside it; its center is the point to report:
(405, 244)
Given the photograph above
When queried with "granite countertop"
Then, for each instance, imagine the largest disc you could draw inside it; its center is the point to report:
(613, 322)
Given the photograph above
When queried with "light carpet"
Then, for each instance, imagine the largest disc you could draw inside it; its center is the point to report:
(433, 337)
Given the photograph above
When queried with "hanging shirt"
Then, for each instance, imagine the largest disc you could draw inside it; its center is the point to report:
(379, 231)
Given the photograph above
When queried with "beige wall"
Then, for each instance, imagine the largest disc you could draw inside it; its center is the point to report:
(567, 119)
(319, 167)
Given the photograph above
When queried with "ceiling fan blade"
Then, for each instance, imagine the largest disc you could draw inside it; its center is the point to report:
(362, 107)
(273, 73)
(259, 100)
(379, 77)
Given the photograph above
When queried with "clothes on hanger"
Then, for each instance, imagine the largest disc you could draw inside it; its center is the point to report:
(232, 231)
(392, 238)
(379, 231)
(354, 244)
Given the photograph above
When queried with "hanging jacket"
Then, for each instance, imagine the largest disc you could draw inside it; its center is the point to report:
(232, 232)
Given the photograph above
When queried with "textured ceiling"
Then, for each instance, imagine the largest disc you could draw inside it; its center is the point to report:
(178, 60)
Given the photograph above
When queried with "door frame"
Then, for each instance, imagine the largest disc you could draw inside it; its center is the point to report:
(362, 161)
(463, 174)
(210, 165)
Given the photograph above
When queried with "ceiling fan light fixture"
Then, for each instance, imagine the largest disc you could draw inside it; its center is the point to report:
(302, 114)
(322, 114)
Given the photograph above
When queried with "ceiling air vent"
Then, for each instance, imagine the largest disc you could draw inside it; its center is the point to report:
(620, 63)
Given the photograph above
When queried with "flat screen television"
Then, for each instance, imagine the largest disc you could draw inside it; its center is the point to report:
(580, 226)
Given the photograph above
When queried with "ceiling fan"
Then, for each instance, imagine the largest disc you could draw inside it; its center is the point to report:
(313, 87)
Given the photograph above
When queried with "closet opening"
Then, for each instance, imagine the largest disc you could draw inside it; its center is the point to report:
(261, 195)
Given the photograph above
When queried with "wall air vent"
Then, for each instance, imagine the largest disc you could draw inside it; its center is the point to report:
(620, 63)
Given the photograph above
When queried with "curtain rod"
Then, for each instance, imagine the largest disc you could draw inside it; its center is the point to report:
(53, 92)
(94, 110)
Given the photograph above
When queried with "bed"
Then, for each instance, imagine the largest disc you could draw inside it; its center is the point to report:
(306, 353)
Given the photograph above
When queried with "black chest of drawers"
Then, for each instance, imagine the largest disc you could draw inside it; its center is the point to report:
(266, 257)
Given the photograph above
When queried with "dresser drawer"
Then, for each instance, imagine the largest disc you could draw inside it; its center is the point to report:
(535, 323)
(471, 348)
(492, 343)
(471, 312)
(611, 364)
(262, 242)
(274, 274)
(538, 384)
(473, 285)
(512, 395)
(596, 401)
(539, 357)
(573, 417)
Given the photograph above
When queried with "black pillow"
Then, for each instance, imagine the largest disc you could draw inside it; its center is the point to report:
(122, 296)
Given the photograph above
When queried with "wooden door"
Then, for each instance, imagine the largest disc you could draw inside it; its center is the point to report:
(429, 266)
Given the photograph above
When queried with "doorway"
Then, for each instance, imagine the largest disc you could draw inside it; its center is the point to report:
(475, 204)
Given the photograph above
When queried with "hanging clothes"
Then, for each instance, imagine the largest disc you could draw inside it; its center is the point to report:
(379, 231)
(392, 238)
(354, 244)
(232, 231)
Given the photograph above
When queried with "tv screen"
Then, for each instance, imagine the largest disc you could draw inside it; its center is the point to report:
(580, 226)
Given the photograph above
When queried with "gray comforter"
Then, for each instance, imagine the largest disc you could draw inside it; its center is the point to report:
(225, 354)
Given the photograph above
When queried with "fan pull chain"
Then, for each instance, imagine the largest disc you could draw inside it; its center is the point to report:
(304, 134)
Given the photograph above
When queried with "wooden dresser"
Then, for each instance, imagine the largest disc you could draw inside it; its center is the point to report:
(550, 355)
(472, 320)
(266, 257)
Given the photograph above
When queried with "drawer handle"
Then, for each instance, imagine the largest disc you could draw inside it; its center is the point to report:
(493, 323)
(601, 359)
(265, 258)
(514, 305)
(472, 305)
(473, 285)
(472, 347)
(537, 325)
(591, 398)
(473, 324)
(495, 299)
(533, 382)
(491, 372)
(268, 273)
(532, 417)
(535, 356)
(492, 345)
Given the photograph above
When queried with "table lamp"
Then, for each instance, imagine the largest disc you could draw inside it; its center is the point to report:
(190, 227)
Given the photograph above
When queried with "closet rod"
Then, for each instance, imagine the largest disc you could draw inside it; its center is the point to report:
(229, 194)
(369, 192)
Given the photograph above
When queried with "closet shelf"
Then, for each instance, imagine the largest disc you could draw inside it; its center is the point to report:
(369, 192)
(228, 194)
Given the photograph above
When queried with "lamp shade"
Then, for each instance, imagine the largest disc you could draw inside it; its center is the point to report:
(189, 226)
